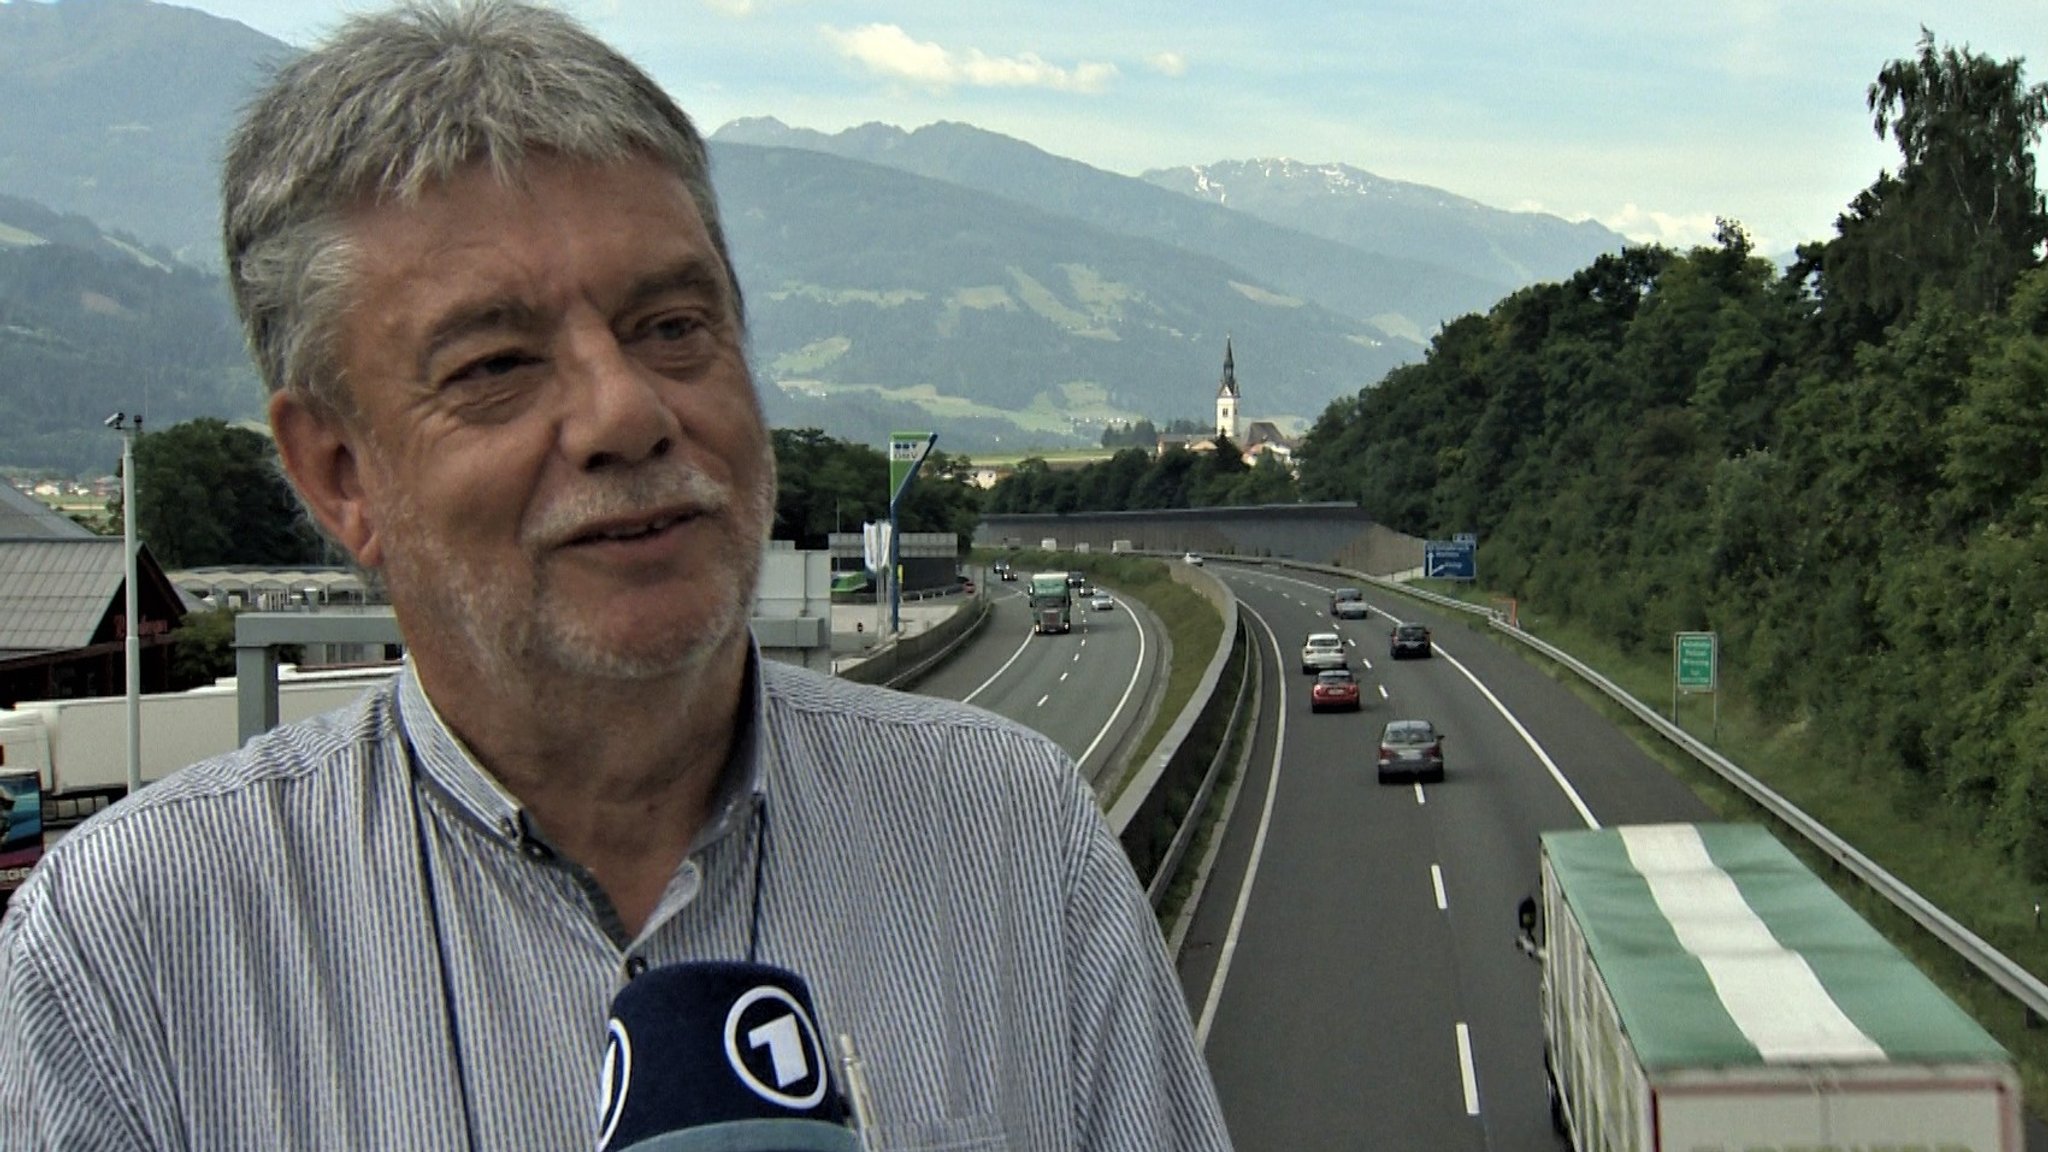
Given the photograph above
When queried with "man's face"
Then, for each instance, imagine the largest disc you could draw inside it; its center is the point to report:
(558, 461)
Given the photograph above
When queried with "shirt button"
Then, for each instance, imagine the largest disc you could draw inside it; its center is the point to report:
(635, 965)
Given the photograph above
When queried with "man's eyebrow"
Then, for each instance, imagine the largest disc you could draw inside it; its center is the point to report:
(490, 314)
(694, 277)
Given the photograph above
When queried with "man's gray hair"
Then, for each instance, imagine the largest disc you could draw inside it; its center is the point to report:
(392, 104)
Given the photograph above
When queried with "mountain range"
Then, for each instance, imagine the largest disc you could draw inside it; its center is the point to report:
(946, 277)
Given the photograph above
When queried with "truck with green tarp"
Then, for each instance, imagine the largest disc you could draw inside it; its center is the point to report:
(1704, 991)
(1052, 603)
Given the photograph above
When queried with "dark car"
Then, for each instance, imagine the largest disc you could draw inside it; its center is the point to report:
(1348, 604)
(1411, 749)
(1334, 690)
(1409, 640)
(1003, 570)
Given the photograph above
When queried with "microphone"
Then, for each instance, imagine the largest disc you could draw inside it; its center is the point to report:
(719, 1056)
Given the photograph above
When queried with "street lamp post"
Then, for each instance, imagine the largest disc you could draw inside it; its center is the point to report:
(129, 430)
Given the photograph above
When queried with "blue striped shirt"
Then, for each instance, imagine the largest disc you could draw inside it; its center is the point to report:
(345, 935)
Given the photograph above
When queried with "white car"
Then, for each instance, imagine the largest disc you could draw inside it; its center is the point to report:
(1101, 602)
(1324, 651)
(1194, 558)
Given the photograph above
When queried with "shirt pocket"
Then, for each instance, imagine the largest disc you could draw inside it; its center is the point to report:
(959, 1134)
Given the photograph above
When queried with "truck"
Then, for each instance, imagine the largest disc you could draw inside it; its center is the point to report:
(81, 745)
(1052, 603)
(1703, 991)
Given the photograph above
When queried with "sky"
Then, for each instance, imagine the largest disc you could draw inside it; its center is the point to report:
(1653, 118)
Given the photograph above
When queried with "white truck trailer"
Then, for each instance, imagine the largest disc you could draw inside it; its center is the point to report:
(80, 745)
(1703, 991)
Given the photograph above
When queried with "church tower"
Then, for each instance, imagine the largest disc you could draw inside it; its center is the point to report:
(1227, 420)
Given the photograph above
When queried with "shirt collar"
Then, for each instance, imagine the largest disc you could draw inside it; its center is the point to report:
(440, 758)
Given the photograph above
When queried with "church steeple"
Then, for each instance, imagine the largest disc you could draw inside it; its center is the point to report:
(1227, 397)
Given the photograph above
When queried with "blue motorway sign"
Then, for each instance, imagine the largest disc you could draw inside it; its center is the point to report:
(1450, 559)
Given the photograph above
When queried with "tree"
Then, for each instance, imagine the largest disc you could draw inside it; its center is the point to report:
(207, 492)
(1962, 213)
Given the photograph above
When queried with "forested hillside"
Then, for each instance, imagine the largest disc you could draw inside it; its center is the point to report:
(85, 333)
(1839, 468)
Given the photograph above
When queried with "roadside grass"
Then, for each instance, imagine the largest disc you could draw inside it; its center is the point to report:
(1913, 835)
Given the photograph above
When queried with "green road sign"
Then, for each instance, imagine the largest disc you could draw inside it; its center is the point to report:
(907, 450)
(1693, 655)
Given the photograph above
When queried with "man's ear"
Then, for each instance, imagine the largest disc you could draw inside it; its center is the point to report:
(321, 455)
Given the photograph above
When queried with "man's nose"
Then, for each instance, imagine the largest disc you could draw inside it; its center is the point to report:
(619, 410)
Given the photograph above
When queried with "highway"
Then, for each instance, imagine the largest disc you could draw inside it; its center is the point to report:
(1084, 689)
(1352, 966)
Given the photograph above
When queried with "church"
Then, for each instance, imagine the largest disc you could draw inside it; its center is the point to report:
(1254, 438)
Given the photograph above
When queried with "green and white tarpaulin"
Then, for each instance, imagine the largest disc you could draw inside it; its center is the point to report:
(1721, 949)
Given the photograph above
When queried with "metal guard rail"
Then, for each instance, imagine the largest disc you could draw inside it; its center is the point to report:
(2001, 969)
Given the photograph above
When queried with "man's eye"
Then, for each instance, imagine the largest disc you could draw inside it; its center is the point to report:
(673, 328)
(501, 364)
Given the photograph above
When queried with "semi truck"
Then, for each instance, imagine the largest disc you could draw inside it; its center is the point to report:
(1703, 991)
(1052, 603)
(81, 745)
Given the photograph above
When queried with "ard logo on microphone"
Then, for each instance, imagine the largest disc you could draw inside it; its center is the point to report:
(774, 1048)
(671, 1033)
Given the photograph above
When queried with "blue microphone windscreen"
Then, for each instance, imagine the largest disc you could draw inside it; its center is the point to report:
(719, 1057)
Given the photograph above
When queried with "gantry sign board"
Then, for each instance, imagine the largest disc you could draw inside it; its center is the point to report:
(907, 450)
(1695, 661)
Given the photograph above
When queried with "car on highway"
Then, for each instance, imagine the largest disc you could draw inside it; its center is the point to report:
(1411, 749)
(1101, 602)
(1409, 640)
(1334, 690)
(1348, 604)
(1194, 558)
(1004, 571)
(1323, 651)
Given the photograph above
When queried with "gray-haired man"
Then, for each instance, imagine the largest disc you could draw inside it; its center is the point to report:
(481, 269)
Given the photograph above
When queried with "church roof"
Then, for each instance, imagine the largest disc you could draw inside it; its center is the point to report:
(1229, 385)
(1266, 432)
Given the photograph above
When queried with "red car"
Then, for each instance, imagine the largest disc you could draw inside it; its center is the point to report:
(1334, 690)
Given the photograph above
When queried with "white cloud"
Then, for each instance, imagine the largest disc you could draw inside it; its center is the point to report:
(731, 7)
(1167, 63)
(888, 50)
(1650, 227)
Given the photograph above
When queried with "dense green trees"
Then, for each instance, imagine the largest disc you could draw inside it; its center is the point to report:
(208, 492)
(826, 485)
(1137, 478)
(1843, 469)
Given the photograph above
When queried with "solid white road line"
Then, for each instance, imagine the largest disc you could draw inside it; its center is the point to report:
(1564, 785)
(1251, 868)
(1130, 689)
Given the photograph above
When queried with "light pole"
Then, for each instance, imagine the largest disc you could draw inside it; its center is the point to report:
(129, 430)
